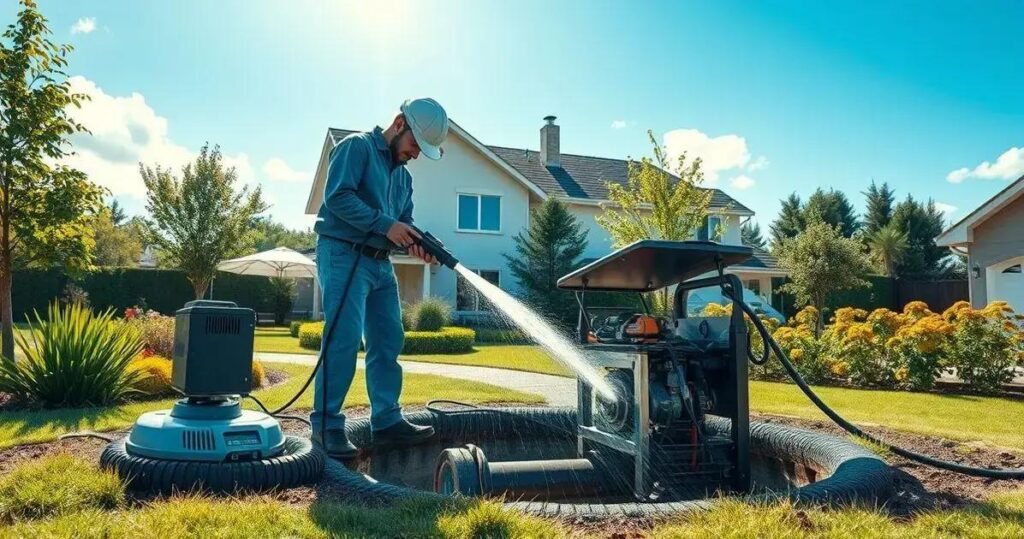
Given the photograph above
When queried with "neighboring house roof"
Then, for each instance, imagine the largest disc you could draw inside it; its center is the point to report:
(579, 179)
(961, 234)
(762, 261)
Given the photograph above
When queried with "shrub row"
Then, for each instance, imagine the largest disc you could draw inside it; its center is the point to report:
(450, 340)
(906, 350)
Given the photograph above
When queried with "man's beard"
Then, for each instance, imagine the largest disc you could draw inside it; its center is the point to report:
(393, 147)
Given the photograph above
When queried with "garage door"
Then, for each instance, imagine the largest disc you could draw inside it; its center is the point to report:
(1005, 281)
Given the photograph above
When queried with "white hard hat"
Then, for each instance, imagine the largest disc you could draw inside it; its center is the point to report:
(429, 124)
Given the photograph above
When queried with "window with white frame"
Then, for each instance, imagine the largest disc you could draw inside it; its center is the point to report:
(479, 213)
(467, 298)
(715, 229)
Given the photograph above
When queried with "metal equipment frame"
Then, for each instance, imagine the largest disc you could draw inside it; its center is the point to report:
(734, 404)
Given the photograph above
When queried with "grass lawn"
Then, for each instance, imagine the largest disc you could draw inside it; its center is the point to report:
(61, 496)
(959, 417)
(527, 358)
(515, 357)
(278, 340)
(23, 427)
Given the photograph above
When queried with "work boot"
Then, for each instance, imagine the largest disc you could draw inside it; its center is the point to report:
(402, 433)
(335, 444)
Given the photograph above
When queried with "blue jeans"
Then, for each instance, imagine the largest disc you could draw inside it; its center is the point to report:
(371, 310)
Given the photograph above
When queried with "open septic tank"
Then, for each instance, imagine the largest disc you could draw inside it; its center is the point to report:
(672, 434)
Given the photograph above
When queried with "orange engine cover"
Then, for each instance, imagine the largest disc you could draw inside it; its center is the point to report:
(643, 326)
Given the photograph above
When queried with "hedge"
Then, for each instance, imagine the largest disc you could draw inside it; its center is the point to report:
(450, 340)
(293, 328)
(878, 295)
(119, 288)
(310, 335)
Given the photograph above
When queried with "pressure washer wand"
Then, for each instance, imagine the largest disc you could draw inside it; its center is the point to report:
(435, 248)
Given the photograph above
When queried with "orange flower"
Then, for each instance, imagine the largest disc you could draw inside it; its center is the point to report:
(902, 374)
(841, 368)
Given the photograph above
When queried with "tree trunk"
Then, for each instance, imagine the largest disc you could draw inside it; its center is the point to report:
(6, 312)
(199, 287)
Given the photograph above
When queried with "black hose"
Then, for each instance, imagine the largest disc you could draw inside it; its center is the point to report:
(853, 429)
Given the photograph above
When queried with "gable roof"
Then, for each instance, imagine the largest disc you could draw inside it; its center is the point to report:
(962, 233)
(581, 178)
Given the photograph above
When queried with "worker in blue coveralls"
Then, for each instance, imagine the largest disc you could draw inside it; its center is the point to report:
(367, 206)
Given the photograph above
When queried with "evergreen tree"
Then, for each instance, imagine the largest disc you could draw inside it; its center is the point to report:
(549, 248)
(790, 221)
(879, 202)
(922, 223)
(750, 234)
(833, 208)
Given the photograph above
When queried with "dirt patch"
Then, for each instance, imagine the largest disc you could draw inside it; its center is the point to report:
(920, 487)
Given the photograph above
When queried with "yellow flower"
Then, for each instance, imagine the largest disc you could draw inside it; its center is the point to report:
(902, 374)
(954, 310)
(841, 368)
(796, 354)
(808, 316)
(997, 310)
(859, 333)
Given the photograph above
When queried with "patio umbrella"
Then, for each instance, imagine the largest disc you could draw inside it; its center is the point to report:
(277, 262)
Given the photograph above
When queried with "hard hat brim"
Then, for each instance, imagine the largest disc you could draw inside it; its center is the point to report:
(432, 152)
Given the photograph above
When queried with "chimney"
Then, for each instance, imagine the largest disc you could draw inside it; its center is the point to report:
(549, 154)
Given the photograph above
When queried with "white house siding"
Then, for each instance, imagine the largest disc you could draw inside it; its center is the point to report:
(436, 185)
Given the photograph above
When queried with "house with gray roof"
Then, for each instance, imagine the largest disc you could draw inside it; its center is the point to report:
(479, 197)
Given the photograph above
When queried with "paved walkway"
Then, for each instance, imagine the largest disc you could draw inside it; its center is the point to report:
(557, 390)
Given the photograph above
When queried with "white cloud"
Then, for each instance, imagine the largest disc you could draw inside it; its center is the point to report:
(757, 164)
(742, 182)
(718, 154)
(125, 131)
(618, 124)
(277, 170)
(84, 25)
(947, 209)
(1008, 166)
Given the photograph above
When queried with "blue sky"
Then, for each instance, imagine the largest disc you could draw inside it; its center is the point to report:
(777, 96)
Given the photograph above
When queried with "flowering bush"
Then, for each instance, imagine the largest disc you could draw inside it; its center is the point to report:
(156, 330)
(909, 349)
(985, 343)
(810, 355)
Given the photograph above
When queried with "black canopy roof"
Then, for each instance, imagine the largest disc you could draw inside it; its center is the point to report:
(653, 264)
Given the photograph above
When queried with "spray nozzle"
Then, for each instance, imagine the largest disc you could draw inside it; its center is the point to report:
(435, 248)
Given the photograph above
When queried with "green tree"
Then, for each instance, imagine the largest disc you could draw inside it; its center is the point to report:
(821, 261)
(282, 291)
(200, 220)
(922, 223)
(655, 204)
(117, 215)
(790, 221)
(833, 208)
(750, 234)
(44, 206)
(887, 246)
(271, 235)
(879, 202)
(549, 248)
(117, 245)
